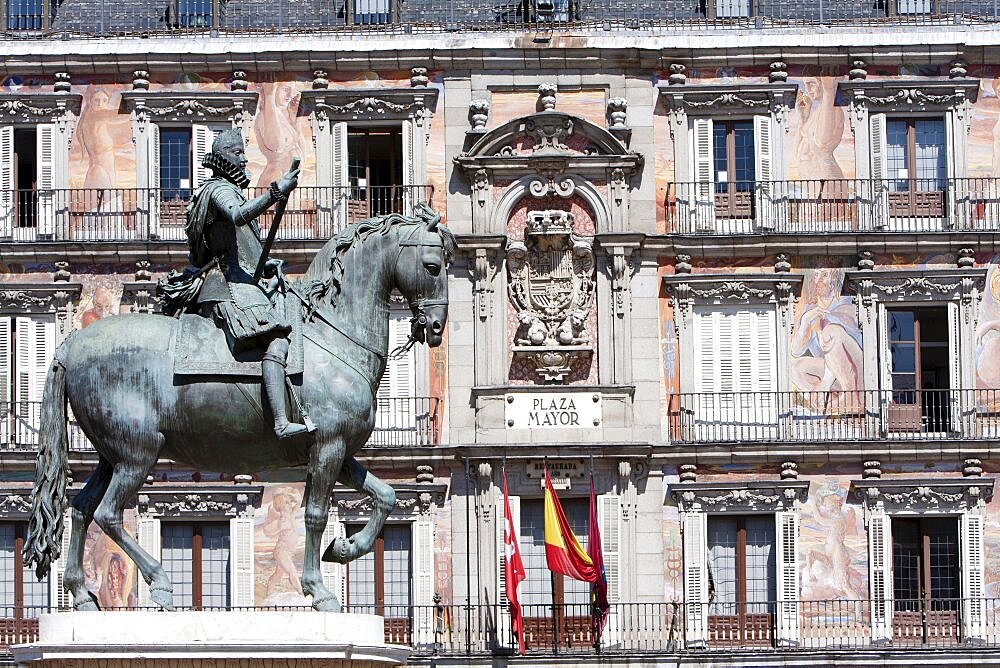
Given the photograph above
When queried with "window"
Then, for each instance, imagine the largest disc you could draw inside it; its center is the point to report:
(27, 180)
(370, 12)
(175, 163)
(920, 368)
(21, 594)
(192, 13)
(380, 582)
(27, 344)
(375, 171)
(905, 7)
(25, 14)
(734, 168)
(741, 575)
(177, 170)
(196, 558)
(725, 9)
(916, 157)
(926, 581)
(553, 603)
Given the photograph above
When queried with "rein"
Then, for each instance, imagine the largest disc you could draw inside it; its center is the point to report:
(418, 305)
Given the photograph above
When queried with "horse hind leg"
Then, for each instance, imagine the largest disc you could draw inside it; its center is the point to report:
(357, 477)
(82, 513)
(126, 482)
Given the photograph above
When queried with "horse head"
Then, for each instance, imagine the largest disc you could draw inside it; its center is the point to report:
(421, 274)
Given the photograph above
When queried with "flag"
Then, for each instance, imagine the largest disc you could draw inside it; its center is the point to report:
(563, 551)
(599, 592)
(513, 569)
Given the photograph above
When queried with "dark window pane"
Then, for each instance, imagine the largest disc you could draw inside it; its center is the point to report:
(901, 325)
(906, 563)
(931, 169)
(24, 14)
(175, 163)
(372, 12)
(744, 168)
(194, 13)
(897, 155)
(722, 175)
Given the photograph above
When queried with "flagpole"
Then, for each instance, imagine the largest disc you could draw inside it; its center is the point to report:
(594, 587)
(552, 580)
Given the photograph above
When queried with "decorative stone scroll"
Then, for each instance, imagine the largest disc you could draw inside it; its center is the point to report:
(191, 106)
(739, 497)
(58, 298)
(208, 501)
(921, 495)
(551, 285)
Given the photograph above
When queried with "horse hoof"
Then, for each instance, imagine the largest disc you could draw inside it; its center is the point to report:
(163, 598)
(329, 604)
(88, 604)
(340, 551)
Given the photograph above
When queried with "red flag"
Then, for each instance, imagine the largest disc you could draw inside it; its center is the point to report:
(599, 598)
(513, 569)
(563, 552)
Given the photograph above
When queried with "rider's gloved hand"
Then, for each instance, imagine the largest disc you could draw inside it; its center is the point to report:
(273, 267)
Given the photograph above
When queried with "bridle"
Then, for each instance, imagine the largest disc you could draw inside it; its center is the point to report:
(418, 305)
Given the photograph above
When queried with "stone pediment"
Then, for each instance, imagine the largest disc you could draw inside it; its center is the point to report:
(190, 106)
(909, 94)
(350, 104)
(568, 142)
(37, 107)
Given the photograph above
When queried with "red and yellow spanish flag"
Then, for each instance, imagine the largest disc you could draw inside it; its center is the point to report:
(563, 551)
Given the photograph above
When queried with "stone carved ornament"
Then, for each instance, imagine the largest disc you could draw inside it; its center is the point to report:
(551, 285)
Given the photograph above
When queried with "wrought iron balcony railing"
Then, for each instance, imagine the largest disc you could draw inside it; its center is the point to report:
(35, 18)
(834, 205)
(859, 415)
(661, 628)
(140, 214)
(399, 422)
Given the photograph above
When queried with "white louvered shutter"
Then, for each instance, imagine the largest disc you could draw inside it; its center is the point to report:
(341, 180)
(241, 562)
(973, 569)
(36, 343)
(150, 540)
(59, 597)
(880, 583)
(884, 367)
(958, 202)
(408, 168)
(609, 512)
(956, 396)
(396, 411)
(695, 527)
(334, 574)
(787, 531)
(154, 196)
(703, 195)
(423, 579)
(505, 635)
(45, 156)
(879, 199)
(6, 408)
(8, 196)
(765, 214)
(202, 137)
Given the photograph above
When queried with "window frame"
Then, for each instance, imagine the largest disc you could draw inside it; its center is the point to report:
(197, 559)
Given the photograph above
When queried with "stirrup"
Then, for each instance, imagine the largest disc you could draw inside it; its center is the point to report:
(290, 430)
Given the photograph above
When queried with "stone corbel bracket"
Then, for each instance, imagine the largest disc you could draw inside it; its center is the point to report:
(622, 266)
(733, 497)
(140, 297)
(184, 106)
(918, 495)
(200, 501)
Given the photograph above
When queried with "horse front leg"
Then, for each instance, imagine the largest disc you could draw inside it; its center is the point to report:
(356, 476)
(324, 466)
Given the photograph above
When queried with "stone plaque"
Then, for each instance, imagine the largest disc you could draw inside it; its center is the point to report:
(553, 410)
(558, 468)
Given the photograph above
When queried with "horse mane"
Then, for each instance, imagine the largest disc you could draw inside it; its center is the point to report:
(326, 273)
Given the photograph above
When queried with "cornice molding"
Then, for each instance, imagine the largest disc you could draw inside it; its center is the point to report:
(925, 284)
(736, 288)
(347, 104)
(38, 297)
(732, 497)
(736, 96)
(411, 501)
(37, 107)
(892, 94)
(923, 494)
(190, 105)
(200, 501)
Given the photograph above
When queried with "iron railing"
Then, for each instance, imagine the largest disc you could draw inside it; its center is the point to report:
(660, 627)
(821, 206)
(146, 214)
(399, 422)
(858, 415)
(35, 18)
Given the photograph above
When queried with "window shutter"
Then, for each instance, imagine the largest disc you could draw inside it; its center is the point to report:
(398, 382)
(974, 614)
(45, 156)
(333, 573)
(956, 397)
(787, 531)
(505, 635)
(153, 179)
(423, 579)
(610, 515)
(202, 137)
(6, 409)
(341, 180)
(957, 196)
(703, 210)
(764, 172)
(59, 598)
(150, 540)
(695, 580)
(408, 167)
(879, 198)
(8, 197)
(241, 562)
(880, 557)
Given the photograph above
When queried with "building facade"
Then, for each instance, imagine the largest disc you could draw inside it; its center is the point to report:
(734, 262)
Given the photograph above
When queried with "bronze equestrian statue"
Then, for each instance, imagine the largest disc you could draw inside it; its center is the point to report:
(118, 375)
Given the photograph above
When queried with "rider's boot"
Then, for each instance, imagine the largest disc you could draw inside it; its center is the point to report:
(273, 367)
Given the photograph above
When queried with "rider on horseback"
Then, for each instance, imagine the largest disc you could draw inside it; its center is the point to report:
(224, 239)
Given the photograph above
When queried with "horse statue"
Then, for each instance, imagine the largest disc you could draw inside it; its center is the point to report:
(118, 376)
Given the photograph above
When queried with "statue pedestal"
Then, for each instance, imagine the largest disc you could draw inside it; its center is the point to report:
(244, 639)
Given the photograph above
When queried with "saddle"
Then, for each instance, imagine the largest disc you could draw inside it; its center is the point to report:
(201, 348)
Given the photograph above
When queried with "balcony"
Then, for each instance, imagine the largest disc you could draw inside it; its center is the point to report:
(663, 628)
(833, 205)
(399, 422)
(861, 415)
(38, 18)
(139, 214)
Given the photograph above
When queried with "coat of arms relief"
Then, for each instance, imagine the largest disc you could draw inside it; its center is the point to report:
(551, 285)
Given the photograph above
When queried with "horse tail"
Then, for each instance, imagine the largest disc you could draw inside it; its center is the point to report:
(43, 542)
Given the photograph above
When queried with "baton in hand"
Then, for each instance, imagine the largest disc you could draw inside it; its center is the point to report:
(279, 211)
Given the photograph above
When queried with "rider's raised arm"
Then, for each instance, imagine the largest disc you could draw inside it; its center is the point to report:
(238, 211)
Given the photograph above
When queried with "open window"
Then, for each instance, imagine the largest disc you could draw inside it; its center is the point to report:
(191, 13)
(27, 181)
(22, 597)
(926, 579)
(742, 577)
(919, 368)
(375, 171)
